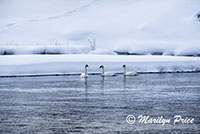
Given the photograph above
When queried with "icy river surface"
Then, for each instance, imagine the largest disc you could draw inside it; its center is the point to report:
(69, 104)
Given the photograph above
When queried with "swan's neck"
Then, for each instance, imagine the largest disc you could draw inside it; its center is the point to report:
(124, 70)
(85, 71)
(102, 71)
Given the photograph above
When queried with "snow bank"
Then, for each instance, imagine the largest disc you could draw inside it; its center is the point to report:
(143, 49)
(158, 48)
(48, 49)
(74, 64)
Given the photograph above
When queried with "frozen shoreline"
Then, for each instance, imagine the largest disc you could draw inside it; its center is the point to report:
(74, 74)
(55, 65)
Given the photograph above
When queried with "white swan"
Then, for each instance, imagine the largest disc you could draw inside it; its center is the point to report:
(129, 73)
(85, 75)
(106, 74)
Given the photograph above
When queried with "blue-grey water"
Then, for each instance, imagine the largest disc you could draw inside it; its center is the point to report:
(69, 104)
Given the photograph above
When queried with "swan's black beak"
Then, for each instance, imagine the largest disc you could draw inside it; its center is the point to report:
(123, 66)
(86, 65)
(101, 66)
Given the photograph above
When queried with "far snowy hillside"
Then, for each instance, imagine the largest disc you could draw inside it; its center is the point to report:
(168, 27)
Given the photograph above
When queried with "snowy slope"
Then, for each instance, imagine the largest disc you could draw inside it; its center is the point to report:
(74, 64)
(122, 25)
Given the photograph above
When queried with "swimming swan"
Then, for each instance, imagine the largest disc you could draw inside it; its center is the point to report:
(129, 73)
(85, 75)
(106, 74)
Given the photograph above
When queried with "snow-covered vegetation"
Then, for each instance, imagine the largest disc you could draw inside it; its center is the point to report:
(47, 49)
(157, 49)
(88, 49)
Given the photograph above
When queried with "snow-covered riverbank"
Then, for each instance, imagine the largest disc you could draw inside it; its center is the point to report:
(74, 64)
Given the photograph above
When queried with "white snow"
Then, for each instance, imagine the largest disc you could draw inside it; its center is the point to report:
(147, 27)
(74, 64)
(141, 26)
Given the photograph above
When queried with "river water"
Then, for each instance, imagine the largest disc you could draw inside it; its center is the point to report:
(69, 104)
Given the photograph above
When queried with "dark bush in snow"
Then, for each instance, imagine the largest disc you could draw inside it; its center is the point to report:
(157, 53)
(6, 51)
(122, 53)
(198, 16)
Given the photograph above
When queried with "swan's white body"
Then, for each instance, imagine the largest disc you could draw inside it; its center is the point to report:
(129, 73)
(84, 75)
(107, 74)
